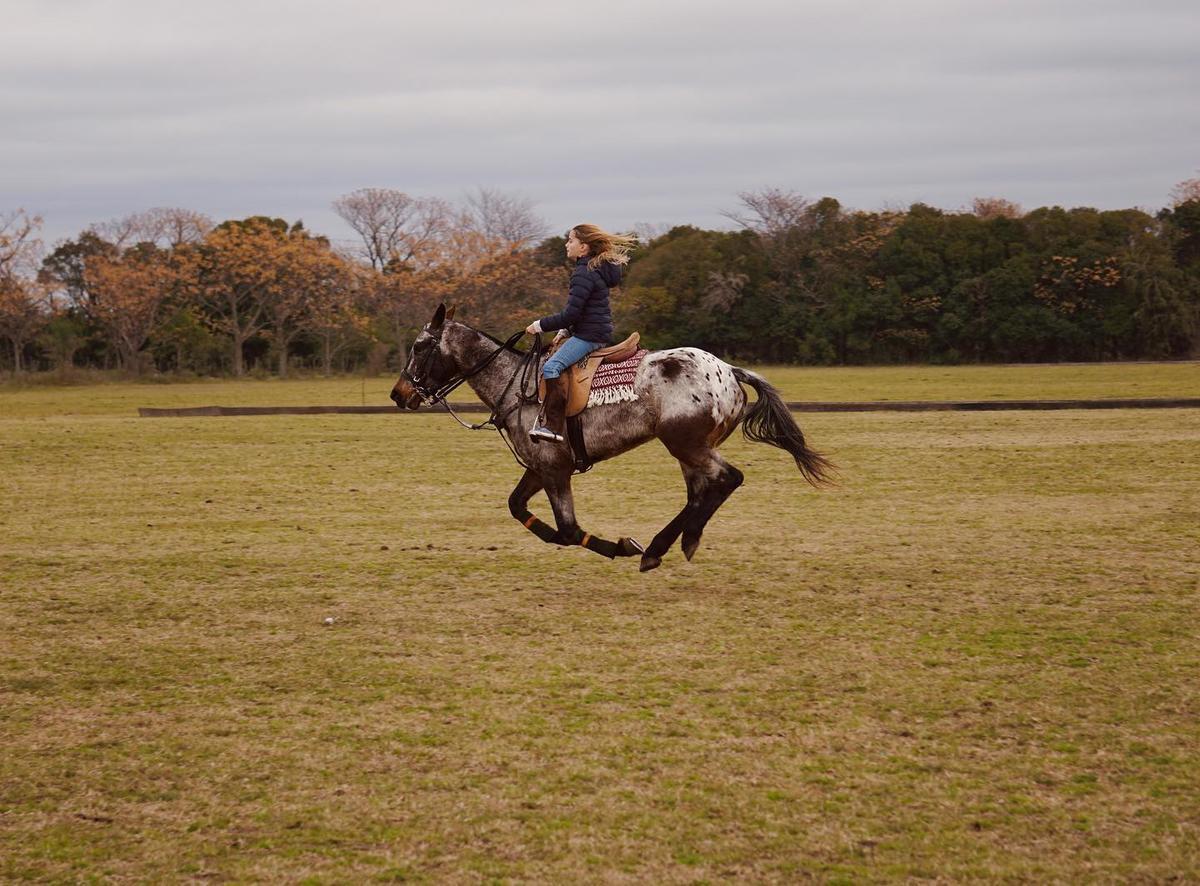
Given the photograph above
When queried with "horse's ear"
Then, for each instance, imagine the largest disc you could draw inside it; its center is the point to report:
(439, 317)
(450, 313)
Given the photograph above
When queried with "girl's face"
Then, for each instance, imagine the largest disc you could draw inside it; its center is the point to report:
(576, 248)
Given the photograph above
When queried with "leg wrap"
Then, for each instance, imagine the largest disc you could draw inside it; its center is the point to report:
(601, 546)
(544, 531)
(626, 547)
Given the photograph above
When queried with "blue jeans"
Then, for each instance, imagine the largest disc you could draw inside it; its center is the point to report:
(571, 351)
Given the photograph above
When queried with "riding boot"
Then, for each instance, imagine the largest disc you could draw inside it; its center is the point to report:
(551, 423)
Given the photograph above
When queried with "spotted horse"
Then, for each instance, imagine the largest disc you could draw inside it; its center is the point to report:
(685, 397)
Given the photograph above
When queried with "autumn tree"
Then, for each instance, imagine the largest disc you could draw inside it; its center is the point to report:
(489, 261)
(404, 300)
(234, 274)
(22, 298)
(508, 291)
(336, 294)
(22, 313)
(127, 295)
(65, 267)
(297, 269)
(424, 251)
(315, 294)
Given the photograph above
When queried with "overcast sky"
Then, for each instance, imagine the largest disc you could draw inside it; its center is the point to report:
(618, 113)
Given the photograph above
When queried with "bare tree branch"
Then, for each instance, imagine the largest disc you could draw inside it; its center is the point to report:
(507, 219)
(393, 227)
(162, 226)
(20, 248)
(771, 211)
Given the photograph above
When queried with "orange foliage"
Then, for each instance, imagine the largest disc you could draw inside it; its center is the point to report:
(128, 293)
(22, 313)
(318, 295)
(425, 251)
(509, 290)
(235, 274)
(22, 298)
(336, 294)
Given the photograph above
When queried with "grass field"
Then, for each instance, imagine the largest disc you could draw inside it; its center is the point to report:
(977, 658)
(1049, 382)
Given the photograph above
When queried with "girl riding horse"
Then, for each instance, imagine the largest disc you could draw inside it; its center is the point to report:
(586, 320)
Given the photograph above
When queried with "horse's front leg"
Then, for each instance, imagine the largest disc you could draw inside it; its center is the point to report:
(518, 505)
(558, 490)
(562, 502)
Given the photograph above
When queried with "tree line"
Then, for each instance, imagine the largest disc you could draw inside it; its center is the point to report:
(170, 290)
(811, 282)
(796, 281)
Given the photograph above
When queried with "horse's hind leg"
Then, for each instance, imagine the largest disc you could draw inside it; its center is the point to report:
(714, 491)
(710, 480)
(662, 542)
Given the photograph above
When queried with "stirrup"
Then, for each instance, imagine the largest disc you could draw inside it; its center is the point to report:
(539, 432)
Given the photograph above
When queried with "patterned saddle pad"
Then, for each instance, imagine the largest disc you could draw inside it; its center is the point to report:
(613, 382)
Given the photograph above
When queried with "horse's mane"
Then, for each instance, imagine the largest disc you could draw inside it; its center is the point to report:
(490, 337)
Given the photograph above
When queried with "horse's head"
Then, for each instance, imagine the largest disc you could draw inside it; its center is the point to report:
(429, 364)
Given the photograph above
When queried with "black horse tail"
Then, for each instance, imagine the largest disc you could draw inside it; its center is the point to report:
(769, 421)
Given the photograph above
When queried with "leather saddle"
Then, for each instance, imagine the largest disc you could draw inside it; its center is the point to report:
(580, 374)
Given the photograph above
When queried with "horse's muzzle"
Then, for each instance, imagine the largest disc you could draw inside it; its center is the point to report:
(404, 395)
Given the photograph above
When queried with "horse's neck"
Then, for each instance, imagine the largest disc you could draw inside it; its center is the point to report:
(490, 384)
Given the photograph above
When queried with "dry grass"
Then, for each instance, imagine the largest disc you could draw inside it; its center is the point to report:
(976, 659)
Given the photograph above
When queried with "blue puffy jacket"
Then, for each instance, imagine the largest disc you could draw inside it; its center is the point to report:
(587, 314)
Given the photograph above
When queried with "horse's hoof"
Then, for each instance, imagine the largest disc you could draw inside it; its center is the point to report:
(649, 561)
(689, 547)
(629, 547)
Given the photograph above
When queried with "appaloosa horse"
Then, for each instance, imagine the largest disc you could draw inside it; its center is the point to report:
(686, 397)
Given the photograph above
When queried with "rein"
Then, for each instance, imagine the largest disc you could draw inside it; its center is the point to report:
(528, 362)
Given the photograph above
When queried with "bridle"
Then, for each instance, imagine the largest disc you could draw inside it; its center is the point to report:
(433, 396)
(415, 379)
(526, 368)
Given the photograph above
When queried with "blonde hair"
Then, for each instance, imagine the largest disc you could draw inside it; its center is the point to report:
(603, 246)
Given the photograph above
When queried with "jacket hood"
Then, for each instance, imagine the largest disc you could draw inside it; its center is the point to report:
(610, 274)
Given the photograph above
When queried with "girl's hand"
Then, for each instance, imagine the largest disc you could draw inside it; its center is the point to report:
(533, 328)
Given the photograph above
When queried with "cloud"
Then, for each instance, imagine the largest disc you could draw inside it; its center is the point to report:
(620, 113)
